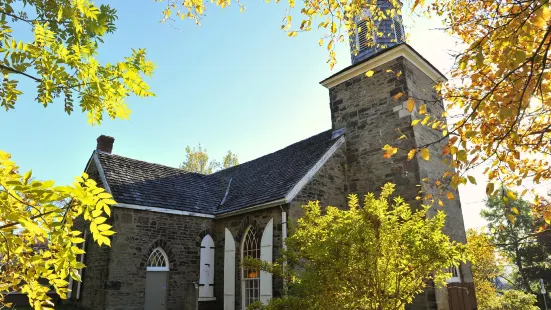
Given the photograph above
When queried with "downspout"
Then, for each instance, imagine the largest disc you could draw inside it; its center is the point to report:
(283, 245)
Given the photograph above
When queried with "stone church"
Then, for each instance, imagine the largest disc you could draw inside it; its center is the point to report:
(181, 236)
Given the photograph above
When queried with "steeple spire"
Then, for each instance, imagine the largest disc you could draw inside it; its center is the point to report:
(385, 32)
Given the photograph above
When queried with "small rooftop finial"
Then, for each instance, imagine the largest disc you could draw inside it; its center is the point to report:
(386, 32)
(105, 144)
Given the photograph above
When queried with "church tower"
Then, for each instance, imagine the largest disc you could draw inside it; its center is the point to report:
(385, 31)
(372, 111)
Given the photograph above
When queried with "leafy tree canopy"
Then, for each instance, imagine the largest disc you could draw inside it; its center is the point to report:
(197, 160)
(54, 44)
(36, 229)
(61, 57)
(487, 265)
(513, 229)
(375, 256)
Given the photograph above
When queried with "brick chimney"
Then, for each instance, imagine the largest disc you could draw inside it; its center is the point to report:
(105, 144)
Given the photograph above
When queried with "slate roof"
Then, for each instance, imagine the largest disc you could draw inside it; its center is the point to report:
(262, 180)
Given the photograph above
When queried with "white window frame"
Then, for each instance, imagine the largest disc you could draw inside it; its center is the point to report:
(456, 276)
(156, 268)
(243, 280)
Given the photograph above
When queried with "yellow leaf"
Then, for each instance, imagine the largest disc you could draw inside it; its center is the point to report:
(440, 203)
(425, 120)
(416, 3)
(389, 151)
(398, 95)
(411, 153)
(100, 220)
(369, 73)
(411, 104)
(104, 227)
(77, 240)
(511, 195)
(511, 218)
(415, 122)
(450, 195)
(462, 155)
(423, 109)
(515, 210)
(425, 154)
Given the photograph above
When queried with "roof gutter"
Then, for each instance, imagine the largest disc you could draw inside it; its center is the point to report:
(163, 210)
(261, 206)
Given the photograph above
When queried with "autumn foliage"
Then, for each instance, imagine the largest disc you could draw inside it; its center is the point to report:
(373, 256)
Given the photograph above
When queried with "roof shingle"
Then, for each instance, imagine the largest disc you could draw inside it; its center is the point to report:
(262, 180)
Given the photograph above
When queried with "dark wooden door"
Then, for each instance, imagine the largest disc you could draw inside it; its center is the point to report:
(461, 296)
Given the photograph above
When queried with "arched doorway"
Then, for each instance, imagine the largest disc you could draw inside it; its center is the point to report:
(156, 280)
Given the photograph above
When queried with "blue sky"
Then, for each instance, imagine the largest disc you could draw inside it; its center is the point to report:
(236, 83)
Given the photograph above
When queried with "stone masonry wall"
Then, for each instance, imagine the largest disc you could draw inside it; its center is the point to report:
(96, 260)
(237, 225)
(421, 86)
(328, 186)
(138, 233)
(366, 108)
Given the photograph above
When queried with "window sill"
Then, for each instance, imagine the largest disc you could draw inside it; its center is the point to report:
(207, 298)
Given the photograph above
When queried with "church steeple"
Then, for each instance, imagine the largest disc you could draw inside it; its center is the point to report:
(386, 32)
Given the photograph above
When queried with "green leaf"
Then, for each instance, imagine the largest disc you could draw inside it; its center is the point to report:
(489, 188)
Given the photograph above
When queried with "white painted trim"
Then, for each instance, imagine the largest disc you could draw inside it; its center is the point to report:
(283, 229)
(101, 172)
(207, 298)
(456, 279)
(266, 254)
(229, 270)
(163, 210)
(305, 179)
(165, 268)
(283, 237)
(402, 50)
(81, 260)
(255, 207)
(70, 287)
(157, 269)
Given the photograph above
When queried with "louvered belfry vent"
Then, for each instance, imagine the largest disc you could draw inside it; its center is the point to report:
(385, 33)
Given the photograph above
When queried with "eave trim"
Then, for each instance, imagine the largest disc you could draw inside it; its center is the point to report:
(261, 206)
(402, 50)
(310, 174)
(163, 210)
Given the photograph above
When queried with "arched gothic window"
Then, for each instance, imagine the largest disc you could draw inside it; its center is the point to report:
(250, 277)
(158, 261)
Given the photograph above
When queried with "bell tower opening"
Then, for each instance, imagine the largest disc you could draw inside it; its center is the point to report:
(380, 26)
